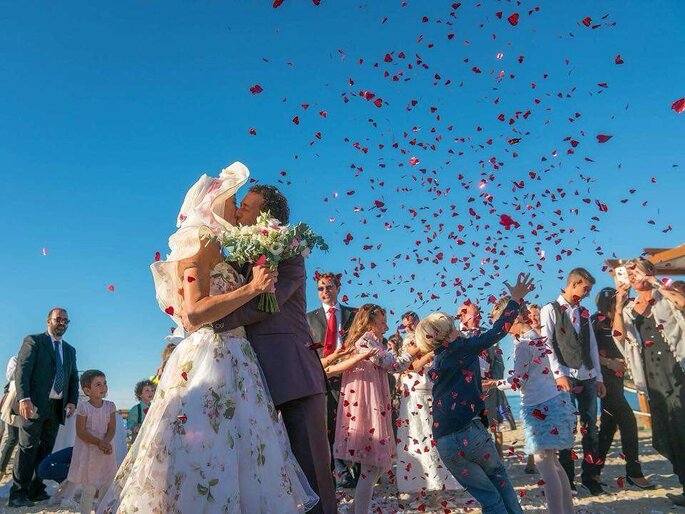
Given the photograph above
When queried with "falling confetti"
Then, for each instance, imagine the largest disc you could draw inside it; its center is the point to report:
(679, 105)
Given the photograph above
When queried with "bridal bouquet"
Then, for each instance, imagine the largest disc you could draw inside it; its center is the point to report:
(268, 242)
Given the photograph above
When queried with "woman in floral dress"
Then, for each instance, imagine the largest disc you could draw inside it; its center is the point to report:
(212, 441)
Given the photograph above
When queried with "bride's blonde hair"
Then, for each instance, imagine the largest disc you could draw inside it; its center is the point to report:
(433, 331)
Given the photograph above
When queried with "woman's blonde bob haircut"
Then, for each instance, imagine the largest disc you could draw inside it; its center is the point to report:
(433, 331)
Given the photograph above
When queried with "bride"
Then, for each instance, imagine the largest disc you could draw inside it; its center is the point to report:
(212, 441)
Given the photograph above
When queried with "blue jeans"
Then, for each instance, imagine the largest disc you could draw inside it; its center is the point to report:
(471, 456)
(56, 466)
(584, 397)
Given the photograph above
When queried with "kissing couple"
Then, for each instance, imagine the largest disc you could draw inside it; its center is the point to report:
(238, 423)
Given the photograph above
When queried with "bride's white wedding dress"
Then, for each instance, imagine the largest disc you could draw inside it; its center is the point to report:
(212, 441)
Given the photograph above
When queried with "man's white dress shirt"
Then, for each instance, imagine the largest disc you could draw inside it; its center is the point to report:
(548, 319)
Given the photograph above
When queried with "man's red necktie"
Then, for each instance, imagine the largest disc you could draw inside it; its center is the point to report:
(331, 340)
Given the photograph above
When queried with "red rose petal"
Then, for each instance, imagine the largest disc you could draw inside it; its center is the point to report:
(169, 310)
(514, 19)
(603, 138)
(679, 105)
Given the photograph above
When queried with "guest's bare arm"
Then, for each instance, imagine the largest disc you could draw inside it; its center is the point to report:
(675, 297)
(335, 369)
(419, 363)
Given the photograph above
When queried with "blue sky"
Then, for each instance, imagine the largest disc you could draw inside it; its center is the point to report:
(110, 112)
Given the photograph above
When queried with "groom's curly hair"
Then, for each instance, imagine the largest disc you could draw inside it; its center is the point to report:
(274, 202)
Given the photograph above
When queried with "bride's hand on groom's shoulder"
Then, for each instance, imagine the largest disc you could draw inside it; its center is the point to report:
(264, 279)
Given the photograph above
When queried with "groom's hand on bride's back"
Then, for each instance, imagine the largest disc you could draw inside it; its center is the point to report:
(264, 279)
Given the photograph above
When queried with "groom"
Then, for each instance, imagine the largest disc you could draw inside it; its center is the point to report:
(284, 345)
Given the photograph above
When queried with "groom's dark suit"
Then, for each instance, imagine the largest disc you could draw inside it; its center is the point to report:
(317, 322)
(34, 377)
(284, 345)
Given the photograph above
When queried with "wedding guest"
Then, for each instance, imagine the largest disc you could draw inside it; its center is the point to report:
(616, 411)
(47, 390)
(144, 391)
(534, 317)
(463, 443)
(56, 467)
(651, 331)
(166, 353)
(10, 440)
(93, 463)
(534, 320)
(394, 344)
(419, 467)
(547, 413)
(574, 362)
(329, 323)
(491, 367)
(363, 432)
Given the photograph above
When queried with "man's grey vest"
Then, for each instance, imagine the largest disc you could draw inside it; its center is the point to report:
(571, 348)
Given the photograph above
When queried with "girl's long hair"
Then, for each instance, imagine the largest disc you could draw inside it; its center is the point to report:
(362, 323)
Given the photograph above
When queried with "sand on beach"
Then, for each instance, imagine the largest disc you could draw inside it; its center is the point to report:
(618, 500)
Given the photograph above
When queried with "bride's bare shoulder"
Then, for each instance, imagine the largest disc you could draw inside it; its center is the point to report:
(206, 257)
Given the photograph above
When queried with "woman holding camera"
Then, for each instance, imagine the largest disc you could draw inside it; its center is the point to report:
(652, 332)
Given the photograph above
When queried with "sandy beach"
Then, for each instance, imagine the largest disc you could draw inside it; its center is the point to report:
(618, 500)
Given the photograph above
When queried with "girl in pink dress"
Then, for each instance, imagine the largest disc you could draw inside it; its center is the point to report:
(93, 463)
(364, 423)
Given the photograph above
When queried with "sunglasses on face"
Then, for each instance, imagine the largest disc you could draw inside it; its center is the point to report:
(326, 288)
(62, 321)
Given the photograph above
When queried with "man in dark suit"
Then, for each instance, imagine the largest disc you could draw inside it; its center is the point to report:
(329, 324)
(47, 392)
(285, 348)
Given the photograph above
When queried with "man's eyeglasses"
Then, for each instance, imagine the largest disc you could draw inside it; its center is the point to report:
(326, 288)
(63, 321)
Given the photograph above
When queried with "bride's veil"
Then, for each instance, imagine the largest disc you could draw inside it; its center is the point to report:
(201, 216)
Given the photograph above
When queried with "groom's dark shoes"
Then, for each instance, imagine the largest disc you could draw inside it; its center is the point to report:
(20, 503)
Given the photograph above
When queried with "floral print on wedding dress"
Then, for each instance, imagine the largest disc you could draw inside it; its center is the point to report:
(212, 441)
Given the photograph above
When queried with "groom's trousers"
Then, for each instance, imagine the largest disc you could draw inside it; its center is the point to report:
(305, 421)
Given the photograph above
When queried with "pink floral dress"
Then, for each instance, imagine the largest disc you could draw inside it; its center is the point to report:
(363, 432)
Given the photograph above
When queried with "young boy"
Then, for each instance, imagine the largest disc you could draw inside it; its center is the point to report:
(574, 361)
(464, 444)
(144, 391)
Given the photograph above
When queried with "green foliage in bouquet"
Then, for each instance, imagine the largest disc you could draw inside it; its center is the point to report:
(268, 242)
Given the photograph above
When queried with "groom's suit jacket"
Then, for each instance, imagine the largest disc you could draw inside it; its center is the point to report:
(282, 340)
